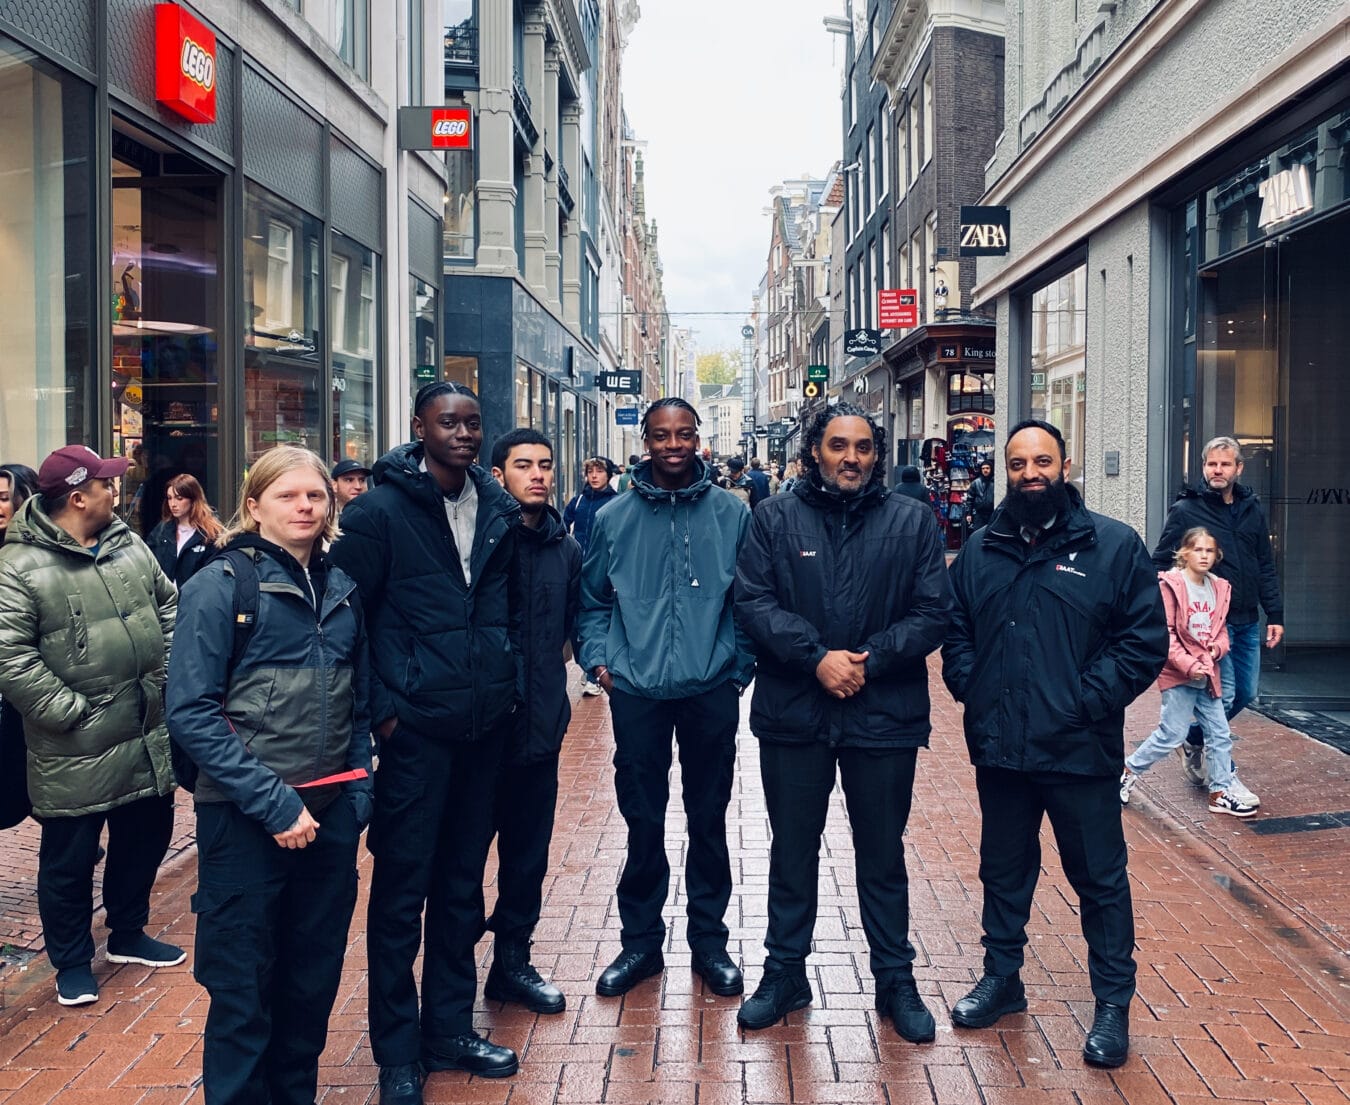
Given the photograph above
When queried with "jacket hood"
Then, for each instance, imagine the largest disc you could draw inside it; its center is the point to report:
(31, 525)
(823, 498)
(317, 561)
(401, 467)
(551, 529)
(642, 484)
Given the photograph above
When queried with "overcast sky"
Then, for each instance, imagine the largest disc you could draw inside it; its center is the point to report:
(731, 97)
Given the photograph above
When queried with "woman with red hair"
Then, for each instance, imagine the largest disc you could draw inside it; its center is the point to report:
(185, 537)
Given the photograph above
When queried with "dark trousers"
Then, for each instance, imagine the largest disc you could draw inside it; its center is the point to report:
(429, 835)
(272, 928)
(878, 787)
(138, 836)
(704, 728)
(1084, 813)
(527, 796)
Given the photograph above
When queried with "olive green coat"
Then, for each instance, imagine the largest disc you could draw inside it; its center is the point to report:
(84, 642)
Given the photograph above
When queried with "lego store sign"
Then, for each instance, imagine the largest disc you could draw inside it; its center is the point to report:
(185, 64)
(435, 128)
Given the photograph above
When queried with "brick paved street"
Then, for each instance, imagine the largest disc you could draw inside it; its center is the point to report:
(1244, 984)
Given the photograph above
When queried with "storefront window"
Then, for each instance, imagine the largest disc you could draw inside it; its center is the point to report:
(283, 368)
(351, 323)
(459, 225)
(567, 441)
(424, 302)
(522, 411)
(165, 318)
(968, 392)
(46, 244)
(1059, 361)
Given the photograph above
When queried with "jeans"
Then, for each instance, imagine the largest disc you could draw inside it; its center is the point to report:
(1179, 705)
(1239, 672)
(704, 728)
(878, 787)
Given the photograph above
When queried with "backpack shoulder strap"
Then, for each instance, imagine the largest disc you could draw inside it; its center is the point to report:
(240, 565)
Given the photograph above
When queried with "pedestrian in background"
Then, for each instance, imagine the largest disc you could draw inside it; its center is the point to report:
(350, 479)
(17, 483)
(842, 588)
(430, 547)
(280, 731)
(1196, 601)
(979, 500)
(548, 582)
(579, 517)
(658, 633)
(1058, 626)
(86, 618)
(187, 532)
(911, 485)
(626, 476)
(738, 483)
(1232, 512)
(760, 488)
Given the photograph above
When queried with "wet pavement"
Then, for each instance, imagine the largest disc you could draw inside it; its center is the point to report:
(1243, 952)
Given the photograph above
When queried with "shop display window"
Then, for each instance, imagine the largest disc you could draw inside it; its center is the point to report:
(1059, 361)
(283, 362)
(46, 246)
(424, 301)
(353, 283)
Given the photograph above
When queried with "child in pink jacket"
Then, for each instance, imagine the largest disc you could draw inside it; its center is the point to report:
(1197, 604)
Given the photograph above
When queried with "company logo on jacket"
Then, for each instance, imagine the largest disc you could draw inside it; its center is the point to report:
(1071, 570)
(808, 552)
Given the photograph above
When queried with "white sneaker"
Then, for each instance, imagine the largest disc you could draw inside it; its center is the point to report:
(1127, 780)
(591, 688)
(1193, 762)
(1242, 794)
(1225, 801)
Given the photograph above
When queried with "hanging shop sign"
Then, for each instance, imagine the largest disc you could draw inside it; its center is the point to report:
(630, 383)
(897, 308)
(862, 343)
(185, 64)
(435, 128)
(984, 231)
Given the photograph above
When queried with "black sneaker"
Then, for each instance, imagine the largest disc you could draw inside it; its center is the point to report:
(912, 1020)
(136, 947)
(1108, 1040)
(992, 997)
(76, 986)
(513, 978)
(778, 994)
(401, 1085)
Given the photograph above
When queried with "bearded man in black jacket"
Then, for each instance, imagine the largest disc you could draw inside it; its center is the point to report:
(1058, 626)
(842, 588)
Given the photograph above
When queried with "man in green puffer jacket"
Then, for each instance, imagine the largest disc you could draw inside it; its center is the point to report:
(86, 618)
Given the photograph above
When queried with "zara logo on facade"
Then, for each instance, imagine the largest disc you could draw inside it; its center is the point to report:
(1285, 195)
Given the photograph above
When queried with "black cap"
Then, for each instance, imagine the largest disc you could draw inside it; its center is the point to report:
(348, 468)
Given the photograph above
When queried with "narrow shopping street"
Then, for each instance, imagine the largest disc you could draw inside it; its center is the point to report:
(1244, 985)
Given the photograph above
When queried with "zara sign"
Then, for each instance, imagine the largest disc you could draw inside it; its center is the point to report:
(984, 231)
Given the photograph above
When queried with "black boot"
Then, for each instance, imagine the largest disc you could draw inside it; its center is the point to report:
(901, 1002)
(1108, 1041)
(514, 979)
(992, 997)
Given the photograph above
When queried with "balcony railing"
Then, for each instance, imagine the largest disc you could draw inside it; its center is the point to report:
(523, 111)
(461, 44)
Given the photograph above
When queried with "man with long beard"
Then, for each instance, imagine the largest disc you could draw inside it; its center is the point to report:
(1058, 626)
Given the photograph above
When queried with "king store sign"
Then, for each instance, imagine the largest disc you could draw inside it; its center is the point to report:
(185, 64)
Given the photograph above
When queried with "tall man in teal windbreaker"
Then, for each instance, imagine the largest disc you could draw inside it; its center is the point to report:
(657, 633)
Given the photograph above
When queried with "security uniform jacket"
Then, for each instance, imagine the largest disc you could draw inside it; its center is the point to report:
(84, 636)
(179, 566)
(443, 651)
(296, 708)
(820, 571)
(548, 582)
(1244, 536)
(1049, 643)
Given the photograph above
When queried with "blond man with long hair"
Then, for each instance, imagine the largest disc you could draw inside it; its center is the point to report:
(277, 722)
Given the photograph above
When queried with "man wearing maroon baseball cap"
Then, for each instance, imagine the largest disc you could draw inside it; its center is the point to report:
(73, 465)
(86, 616)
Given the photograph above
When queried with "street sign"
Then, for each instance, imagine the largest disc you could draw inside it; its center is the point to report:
(626, 416)
(897, 308)
(748, 421)
(818, 372)
(861, 343)
(761, 431)
(628, 382)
